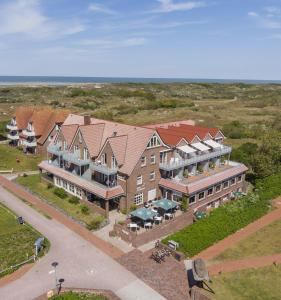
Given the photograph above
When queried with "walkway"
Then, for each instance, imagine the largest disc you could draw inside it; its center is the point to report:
(222, 245)
(81, 264)
(20, 192)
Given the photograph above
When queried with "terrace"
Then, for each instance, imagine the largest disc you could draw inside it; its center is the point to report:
(30, 144)
(28, 133)
(104, 169)
(12, 136)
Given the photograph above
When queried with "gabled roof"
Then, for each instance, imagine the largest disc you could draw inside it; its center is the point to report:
(118, 145)
(68, 132)
(23, 115)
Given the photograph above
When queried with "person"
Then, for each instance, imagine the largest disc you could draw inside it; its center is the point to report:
(157, 244)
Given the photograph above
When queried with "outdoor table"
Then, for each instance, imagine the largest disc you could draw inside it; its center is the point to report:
(158, 219)
(148, 225)
(169, 215)
(154, 210)
(132, 226)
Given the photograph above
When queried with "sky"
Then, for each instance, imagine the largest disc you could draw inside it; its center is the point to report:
(226, 39)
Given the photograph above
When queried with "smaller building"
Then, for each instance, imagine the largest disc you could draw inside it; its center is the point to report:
(33, 128)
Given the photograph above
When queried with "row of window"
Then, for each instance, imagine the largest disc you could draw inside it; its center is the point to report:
(69, 187)
(152, 160)
(140, 178)
(215, 189)
(113, 160)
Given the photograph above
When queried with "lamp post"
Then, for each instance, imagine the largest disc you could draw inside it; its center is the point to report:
(54, 265)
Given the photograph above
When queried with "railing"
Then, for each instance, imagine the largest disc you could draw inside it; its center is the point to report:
(11, 126)
(30, 143)
(103, 169)
(12, 137)
(56, 150)
(193, 160)
(28, 132)
(75, 159)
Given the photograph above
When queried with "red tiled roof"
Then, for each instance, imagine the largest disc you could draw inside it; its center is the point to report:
(68, 132)
(118, 146)
(204, 183)
(105, 193)
(166, 125)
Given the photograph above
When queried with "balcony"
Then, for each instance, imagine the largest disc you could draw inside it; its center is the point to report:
(104, 169)
(30, 133)
(55, 150)
(30, 144)
(181, 163)
(12, 137)
(75, 159)
(12, 127)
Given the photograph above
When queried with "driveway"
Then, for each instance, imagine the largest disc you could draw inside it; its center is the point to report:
(81, 264)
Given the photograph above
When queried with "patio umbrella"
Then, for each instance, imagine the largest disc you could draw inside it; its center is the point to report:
(165, 204)
(143, 214)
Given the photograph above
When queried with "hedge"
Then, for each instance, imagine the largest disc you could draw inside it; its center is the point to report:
(228, 218)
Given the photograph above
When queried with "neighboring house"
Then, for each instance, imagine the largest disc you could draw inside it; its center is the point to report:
(115, 165)
(33, 128)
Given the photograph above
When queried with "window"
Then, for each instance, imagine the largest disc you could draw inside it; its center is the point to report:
(78, 192)
(139, 180)
(138, 200)
(58, 181)
(103, 159)
(201, 195)
(152, 176)
(154, 142)
(143, 161)
(232, 181)
(218, 188)
(64, 183)
(225, 184)
(239, 178)
(191, 199)
(113, 162)
(71, 188)
(64, 145)
(210, 191)
(163, 157)
(85, 154)
(80, 137)
(153, 159)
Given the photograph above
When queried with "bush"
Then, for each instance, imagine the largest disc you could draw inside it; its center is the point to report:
(61, 193)
(85, 209)
(96, 223)
(50, 186)
(184, 204)
(74, 200)
(228, 218)
(133, 207)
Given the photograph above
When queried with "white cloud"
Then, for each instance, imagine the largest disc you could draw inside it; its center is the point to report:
(95, 7)
(270, 24)
(110, 44)
(272, 10)
(26, 18)
(253, 14)
(167, 6)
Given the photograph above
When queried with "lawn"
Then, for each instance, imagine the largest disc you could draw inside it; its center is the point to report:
(34, 183)
(259, 284)
(9, 156)
(16, 241)
(264, 242)
(77, 296)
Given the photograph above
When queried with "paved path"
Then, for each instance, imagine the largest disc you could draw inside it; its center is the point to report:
(109, 249)
(219, 247)
(81, 263)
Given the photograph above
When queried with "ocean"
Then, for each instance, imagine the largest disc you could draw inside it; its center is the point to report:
(61, 80)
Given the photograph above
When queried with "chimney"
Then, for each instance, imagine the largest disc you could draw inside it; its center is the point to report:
(87, 120)
(114, 133)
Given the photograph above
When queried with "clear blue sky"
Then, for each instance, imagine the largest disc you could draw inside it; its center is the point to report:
(239, 39)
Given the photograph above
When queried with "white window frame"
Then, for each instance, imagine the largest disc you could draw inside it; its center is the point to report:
(212, 188)
(232, 179)
(113, 162)
(192, 197)
(225, 187)
(152, 176)
(139, 180)
(154, 142)
(143, 161)
(217, 191)
(103, 159)
(239, 178)
(153, 159)
(85, 154)
(204, 194)
(138, 199)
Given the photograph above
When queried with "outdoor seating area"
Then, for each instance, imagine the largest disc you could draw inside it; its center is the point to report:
(153, 214)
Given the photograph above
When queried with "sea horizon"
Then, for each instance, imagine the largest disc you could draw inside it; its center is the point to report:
(68, 80)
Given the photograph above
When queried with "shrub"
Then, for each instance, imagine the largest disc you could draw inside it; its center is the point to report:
(133, 207)
(61, 193)
(50, 186)
(96, 223)
(184, 204)
(85, 209)
(74, 200)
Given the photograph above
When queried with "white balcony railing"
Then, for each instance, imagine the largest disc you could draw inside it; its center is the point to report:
(28, 132)
(55, 149)
(12, 127)
(180, 163)
(13, 137)
(30, 144)
(104, 169)
(75, 159)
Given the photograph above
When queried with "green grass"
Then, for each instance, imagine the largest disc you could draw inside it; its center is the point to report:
(264, 242)
(256, 284)
(16, 241)
(34, 183)
(77, 296)
(9, 156)
(228, 218)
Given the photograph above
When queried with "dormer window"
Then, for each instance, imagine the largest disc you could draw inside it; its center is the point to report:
(103, 159)
(80, 137)
(113, 162)
(64, 145)
(154, 142)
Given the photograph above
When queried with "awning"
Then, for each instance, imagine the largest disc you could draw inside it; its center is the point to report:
(200, 146)
(143, 214)
(165, 204)
(213, 144)
(187, 149)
